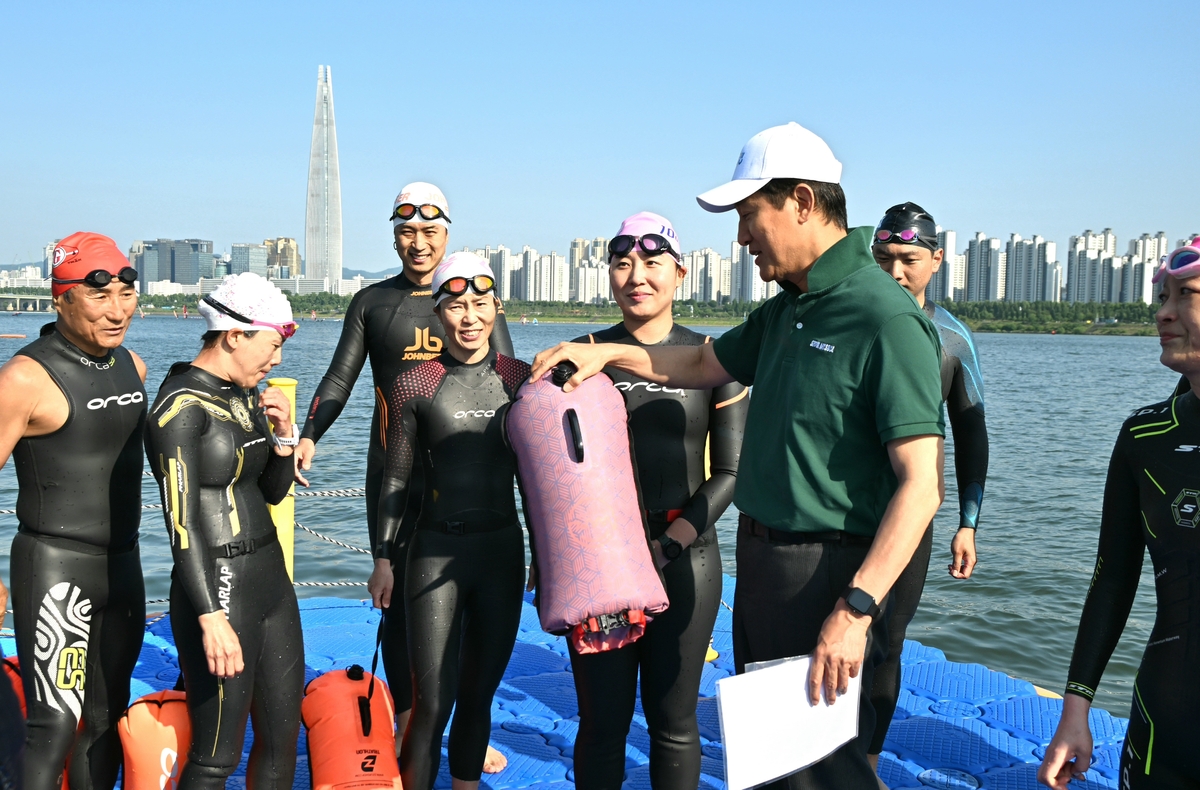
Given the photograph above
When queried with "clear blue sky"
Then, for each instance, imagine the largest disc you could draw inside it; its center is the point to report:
(543, 122)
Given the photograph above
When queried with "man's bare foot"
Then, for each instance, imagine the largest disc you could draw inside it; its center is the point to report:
(494, 762)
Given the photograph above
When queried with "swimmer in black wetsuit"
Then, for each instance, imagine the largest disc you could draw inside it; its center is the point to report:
(1151, 501)
(466, 558)
(72, 405)
(906, 246)
(233, 608)
(393, 323)
(672, 429)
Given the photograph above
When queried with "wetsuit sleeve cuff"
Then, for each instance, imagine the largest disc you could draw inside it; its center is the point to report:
(384, 550)
(1081, 690)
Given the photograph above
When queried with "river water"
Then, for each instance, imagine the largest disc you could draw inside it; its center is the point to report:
(1054, 405)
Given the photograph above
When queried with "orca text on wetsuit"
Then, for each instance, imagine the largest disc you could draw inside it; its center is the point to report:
(1151, 501)
(210, 450)
(466, 558)
(962, 389)
(393, 324)
(671, 428)
(78, 595)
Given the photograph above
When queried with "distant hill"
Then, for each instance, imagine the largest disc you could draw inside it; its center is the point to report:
(349, 274)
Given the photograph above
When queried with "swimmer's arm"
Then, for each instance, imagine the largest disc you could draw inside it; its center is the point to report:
(22, 381)
(969, 426)
(393, 493)
(347, 363)
(139, 365)
(174, 452)
(687, 367)
(727, 410)
(1115, 578)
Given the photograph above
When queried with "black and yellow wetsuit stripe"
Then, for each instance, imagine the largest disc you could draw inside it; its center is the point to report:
(1151, 501)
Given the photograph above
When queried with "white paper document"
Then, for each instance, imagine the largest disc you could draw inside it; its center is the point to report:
(769, 728)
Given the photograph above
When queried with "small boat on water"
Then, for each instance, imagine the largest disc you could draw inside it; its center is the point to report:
(13, 337)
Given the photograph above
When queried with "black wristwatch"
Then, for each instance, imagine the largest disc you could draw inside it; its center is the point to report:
(671, 548)
(861, 601)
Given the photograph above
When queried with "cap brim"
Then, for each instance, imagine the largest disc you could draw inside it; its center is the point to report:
(726, 196)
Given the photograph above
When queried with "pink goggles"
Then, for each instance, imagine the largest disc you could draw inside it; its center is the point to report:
(1180, 264)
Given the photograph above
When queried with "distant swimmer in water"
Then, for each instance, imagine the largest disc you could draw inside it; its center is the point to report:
(393, 323)
(906, 246)
(466, 560)
(233, 608)
(672, 429)
(1151, 502)
(72, 406)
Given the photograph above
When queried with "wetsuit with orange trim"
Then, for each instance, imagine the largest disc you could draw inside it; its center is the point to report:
(1151, 501)
(672, 429)
(392, 323)
(211, 451)
(466, 561)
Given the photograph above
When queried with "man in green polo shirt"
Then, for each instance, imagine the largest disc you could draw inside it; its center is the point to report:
(840, 472)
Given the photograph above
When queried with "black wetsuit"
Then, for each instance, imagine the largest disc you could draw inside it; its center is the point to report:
(1151, 501)
(671, 428)
(466, 557)
(77, 590)
(393, 323)
(962, 389)
(210, 450)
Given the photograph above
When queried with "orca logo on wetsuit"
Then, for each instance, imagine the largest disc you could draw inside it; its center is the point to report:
(122, 400)
(627, 386)
(90, 364)
(423, 347)
(168, 762)
(458, 415)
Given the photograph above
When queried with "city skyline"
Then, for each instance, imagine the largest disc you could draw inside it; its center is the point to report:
(548, 147)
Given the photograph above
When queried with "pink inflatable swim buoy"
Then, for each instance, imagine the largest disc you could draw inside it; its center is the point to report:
(596, 577)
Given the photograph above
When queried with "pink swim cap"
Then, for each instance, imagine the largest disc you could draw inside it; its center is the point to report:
(648, 222)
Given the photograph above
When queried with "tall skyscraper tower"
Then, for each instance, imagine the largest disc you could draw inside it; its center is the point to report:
(323, 222)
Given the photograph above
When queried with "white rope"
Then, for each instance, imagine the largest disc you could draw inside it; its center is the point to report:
(334, 541)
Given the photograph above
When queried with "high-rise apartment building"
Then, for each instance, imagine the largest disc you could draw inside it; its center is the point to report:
(942, 284)
(599, 251)
(986, 277)
(253, 258)
(1091, 261)
(1027, 269)
(505, 266)
(182, 261)
(323, 219)
(283, 257)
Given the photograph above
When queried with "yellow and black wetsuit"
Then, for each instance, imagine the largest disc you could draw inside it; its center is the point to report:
(211, 451)
(393, 324)
(1151, 501)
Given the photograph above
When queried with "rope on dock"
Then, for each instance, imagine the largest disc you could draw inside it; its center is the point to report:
(334, 541)
(336, 492)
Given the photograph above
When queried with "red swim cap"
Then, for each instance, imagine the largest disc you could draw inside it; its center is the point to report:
(80, 254)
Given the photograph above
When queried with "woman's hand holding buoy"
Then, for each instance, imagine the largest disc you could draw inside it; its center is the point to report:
(221, 645)
(380, 584)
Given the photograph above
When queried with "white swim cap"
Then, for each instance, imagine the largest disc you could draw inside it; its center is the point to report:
(459, 264)
(418, 194)
(249, 295)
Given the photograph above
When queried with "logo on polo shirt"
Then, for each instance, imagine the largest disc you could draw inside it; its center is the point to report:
(818, 345)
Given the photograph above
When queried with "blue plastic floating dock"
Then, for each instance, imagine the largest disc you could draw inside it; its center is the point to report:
(956, 725)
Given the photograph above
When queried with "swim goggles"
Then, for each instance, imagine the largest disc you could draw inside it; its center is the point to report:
(102, 277)
(906, 236)
(457, 286)
(651, 244)
(1181, 264)
(428, 211)
(285, 330)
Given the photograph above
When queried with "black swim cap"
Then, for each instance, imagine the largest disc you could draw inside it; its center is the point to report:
(920, 227)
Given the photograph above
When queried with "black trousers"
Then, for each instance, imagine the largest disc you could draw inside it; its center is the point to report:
(670, 657)
(903, 600)
(784, 593)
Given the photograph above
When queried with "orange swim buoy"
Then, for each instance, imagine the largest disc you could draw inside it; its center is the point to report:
(12, 674)
(156, 734)
(351, 731)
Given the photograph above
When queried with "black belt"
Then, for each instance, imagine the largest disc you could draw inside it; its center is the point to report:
(239, 547)
(469, 527)
(763, 532)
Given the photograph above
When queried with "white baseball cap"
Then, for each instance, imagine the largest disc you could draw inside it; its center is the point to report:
(788, 151)
(420, 193)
